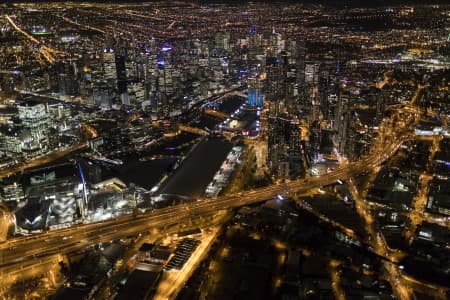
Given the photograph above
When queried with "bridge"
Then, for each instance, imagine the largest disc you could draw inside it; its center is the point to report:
(217, 114)
(195, 130)
(107, 160)
(239, 93)
(20, 249)
(33, 252)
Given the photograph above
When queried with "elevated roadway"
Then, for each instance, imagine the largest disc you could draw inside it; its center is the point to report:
(217, 114)
(22, 249)
(194, 130)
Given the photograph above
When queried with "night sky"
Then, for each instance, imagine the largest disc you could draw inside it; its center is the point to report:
(332, 2)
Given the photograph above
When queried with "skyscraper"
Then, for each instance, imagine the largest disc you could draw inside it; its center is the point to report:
(284, 147)
(120, 58)
(273, 85)
(35, 125)
(255, 95)
(342, 118)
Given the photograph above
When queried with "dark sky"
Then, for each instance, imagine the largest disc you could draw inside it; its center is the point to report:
(356, 2)
(334, 3)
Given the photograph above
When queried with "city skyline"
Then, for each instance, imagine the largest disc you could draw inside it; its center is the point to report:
(324, 2)
(150, 149)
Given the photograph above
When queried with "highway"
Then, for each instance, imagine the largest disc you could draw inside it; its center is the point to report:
(26, 255)
(75, 22)
(32, 251)
(67, 240)
(45, 51)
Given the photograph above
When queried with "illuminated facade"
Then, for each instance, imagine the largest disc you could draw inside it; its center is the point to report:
(255, 95)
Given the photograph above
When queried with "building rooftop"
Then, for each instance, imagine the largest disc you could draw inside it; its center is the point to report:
(139, 285)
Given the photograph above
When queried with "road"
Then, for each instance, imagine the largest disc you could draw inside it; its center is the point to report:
(23, 252)
(47, 52)
(402, 287)
(75, 22)
(32, 252)
(24, 249)
(51, 156)
(41, 160)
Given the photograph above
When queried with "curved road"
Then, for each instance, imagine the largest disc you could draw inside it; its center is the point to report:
(75, 238)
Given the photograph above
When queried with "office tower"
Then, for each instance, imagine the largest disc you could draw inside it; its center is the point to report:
(255, 95)
(315, 138)
(125, 99)
(276, 44)
(68, 78)
(273, 84)
(141, 68)
(330, 110)
(276, 143)
(255, 45)
(296, 168)
(35, 127)
(12, 192)
(222, 41)
(102, 96)
(309, 98)
(11, 140)
(121, 71)
(342, 119)
(67, 84)
(109, 68)
(284, 147)
(315, 105)
(164, 89)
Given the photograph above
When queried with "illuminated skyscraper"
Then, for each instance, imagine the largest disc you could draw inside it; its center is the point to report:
(342, 118)
(35, 126)
(255, 95)
(284, 147)
(273, 85)
(222, 41)
(109, 67)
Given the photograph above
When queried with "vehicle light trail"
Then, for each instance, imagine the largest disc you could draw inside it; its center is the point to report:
(45, 51)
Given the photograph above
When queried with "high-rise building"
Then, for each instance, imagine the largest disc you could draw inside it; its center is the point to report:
(64, 208)
(120, 59)
(342, 119)
(255, 45)
(255, 95)
(36, 123)
(109, 67)
(67, 79)
(284, 147)
(222, 41)
(273, 85)
(12, 192)
(102, 97)
(315, 137)
(296, 166)
(10, 140)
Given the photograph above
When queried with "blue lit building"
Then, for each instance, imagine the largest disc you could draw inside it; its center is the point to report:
(255, 95)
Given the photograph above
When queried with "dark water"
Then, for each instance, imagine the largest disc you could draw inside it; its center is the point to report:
(144, 173)
(148, 173)
(197, 171)
(229, 105)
